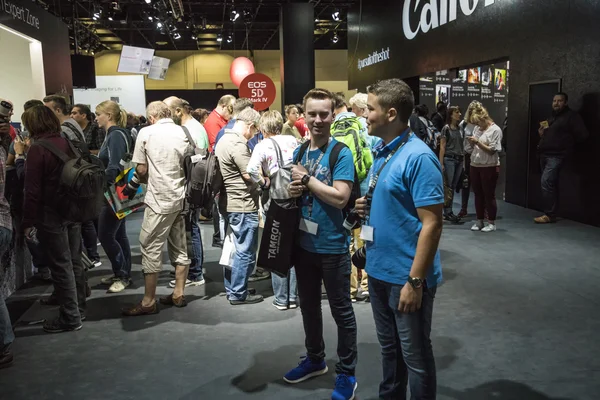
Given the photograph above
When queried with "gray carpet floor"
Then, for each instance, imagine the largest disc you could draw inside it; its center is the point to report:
(516, 319)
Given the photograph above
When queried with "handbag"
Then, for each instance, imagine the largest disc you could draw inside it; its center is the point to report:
(276, 249)
(121, 204)
(281, 179)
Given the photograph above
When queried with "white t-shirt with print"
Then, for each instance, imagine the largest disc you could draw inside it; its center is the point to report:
(264, 156)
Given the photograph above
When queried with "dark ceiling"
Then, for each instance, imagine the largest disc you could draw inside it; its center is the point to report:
(191, 24)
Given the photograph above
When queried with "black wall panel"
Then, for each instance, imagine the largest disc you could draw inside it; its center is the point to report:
(543, 40)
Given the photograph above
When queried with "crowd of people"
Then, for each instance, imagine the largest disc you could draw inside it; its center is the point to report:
(356, 238)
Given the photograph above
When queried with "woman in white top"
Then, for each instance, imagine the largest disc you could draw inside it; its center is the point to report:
(262, 165)
(485, 166)
(467, 127)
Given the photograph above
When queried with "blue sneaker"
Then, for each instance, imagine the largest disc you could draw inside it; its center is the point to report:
(306, 369)
(345, 386)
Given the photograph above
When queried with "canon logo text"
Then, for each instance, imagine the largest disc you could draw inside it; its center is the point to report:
(432, 17)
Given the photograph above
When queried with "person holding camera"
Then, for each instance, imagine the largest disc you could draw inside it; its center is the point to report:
(402, 227)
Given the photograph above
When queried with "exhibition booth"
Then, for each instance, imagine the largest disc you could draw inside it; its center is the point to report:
(510, 55)
(35, 54)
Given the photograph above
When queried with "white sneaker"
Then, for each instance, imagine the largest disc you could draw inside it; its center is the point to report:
(489, 228)
(119, 285)
(97, 264)
(109, 280)
(477, 226)
(188, 283)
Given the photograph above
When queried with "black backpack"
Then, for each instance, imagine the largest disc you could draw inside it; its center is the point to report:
(202, 174)
(80, 194)
(333, 158)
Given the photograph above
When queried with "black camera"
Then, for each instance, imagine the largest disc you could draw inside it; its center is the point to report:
(359, 258)
(353, 220)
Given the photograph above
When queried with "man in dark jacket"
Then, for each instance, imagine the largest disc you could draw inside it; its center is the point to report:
(558, 136)
(439, 118)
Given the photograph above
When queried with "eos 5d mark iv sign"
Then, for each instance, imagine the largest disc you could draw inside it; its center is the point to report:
(260, 89)
(20, 13)
(432, 16)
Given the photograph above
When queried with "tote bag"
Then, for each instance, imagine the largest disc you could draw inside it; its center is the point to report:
(121, 204)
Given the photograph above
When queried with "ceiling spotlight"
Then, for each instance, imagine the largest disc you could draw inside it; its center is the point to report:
(176, 36)
(97, 15)
(203, 23)
(234, 15)
(149, 17)
(219, 37)
(229, 38)
(148, 1)
(335, 38)
(194, 35)
(336, 15)
(110, 18)
(159, 24)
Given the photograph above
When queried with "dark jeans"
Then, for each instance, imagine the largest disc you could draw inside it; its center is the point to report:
(334, 271)
(62, 246)
(453, 168)
(484, 180)
(90, 240)
(406, 352)
(466, 192)
(194, 243)
(550, 176)
(113, 237)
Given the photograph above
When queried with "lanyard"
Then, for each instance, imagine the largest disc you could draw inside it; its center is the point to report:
(375, 177)
(313, 170)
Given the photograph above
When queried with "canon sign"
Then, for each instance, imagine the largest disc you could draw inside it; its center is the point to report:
(432, 17)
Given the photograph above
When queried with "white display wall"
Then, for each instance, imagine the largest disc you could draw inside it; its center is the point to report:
(23, 66)
(127, 90)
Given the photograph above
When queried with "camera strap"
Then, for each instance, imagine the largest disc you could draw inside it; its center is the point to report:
(313, 170)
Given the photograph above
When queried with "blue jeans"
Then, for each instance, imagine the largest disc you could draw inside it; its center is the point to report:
(453, 168)
(406, 352)
(113, 237)
(280, 288)
(195, 250)
(334, 271)
(550, 176)
(6, 332)
(245, 238)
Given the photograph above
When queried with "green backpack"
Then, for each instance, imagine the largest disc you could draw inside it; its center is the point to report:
(347, 131)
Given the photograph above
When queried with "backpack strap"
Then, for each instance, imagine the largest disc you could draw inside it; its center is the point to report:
(189, 137)
(301, 152)
(55, 150)
(334, 155)
(75, 130)
(278, 151)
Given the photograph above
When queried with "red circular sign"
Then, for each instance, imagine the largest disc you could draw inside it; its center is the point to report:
(260, 89)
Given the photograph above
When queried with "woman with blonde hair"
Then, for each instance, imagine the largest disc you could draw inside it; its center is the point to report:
(467, 126)
(289, 127)
(111, 230)
(272, 153)
(485, 166)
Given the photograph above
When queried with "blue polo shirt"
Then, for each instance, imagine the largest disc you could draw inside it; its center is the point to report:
(410, 180)
(331, 237)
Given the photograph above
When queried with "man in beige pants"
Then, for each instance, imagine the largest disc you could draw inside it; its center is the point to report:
(159, 153)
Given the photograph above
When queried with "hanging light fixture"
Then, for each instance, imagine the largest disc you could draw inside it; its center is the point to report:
(159, 24)
(335, 38)
(148, 1)
(176, 36)
(229, 38)
(234, 15)
(219, 37)
(336, 15)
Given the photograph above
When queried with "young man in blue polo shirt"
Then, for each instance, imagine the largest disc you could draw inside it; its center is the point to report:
(402, 230)
(322, 253)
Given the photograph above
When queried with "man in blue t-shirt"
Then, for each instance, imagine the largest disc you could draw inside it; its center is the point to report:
(322, 253)
(402, 231)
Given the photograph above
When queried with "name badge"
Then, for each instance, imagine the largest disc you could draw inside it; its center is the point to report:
(197, 157)
(366, 233)
(308, 226)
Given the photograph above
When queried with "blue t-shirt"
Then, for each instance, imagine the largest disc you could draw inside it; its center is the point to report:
(331, 237)
(410, 180)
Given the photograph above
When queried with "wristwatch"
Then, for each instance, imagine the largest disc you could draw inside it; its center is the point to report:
(416, 283)
(305, 179)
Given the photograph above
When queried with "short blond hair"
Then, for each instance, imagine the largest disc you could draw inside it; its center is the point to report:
(359, 100)
(479, 113)
(158, 110)
(249, 116)
(271, 122)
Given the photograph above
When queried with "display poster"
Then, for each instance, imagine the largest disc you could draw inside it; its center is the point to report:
(127, 90)
(158, 69)
(459, 87)
(136, 60)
